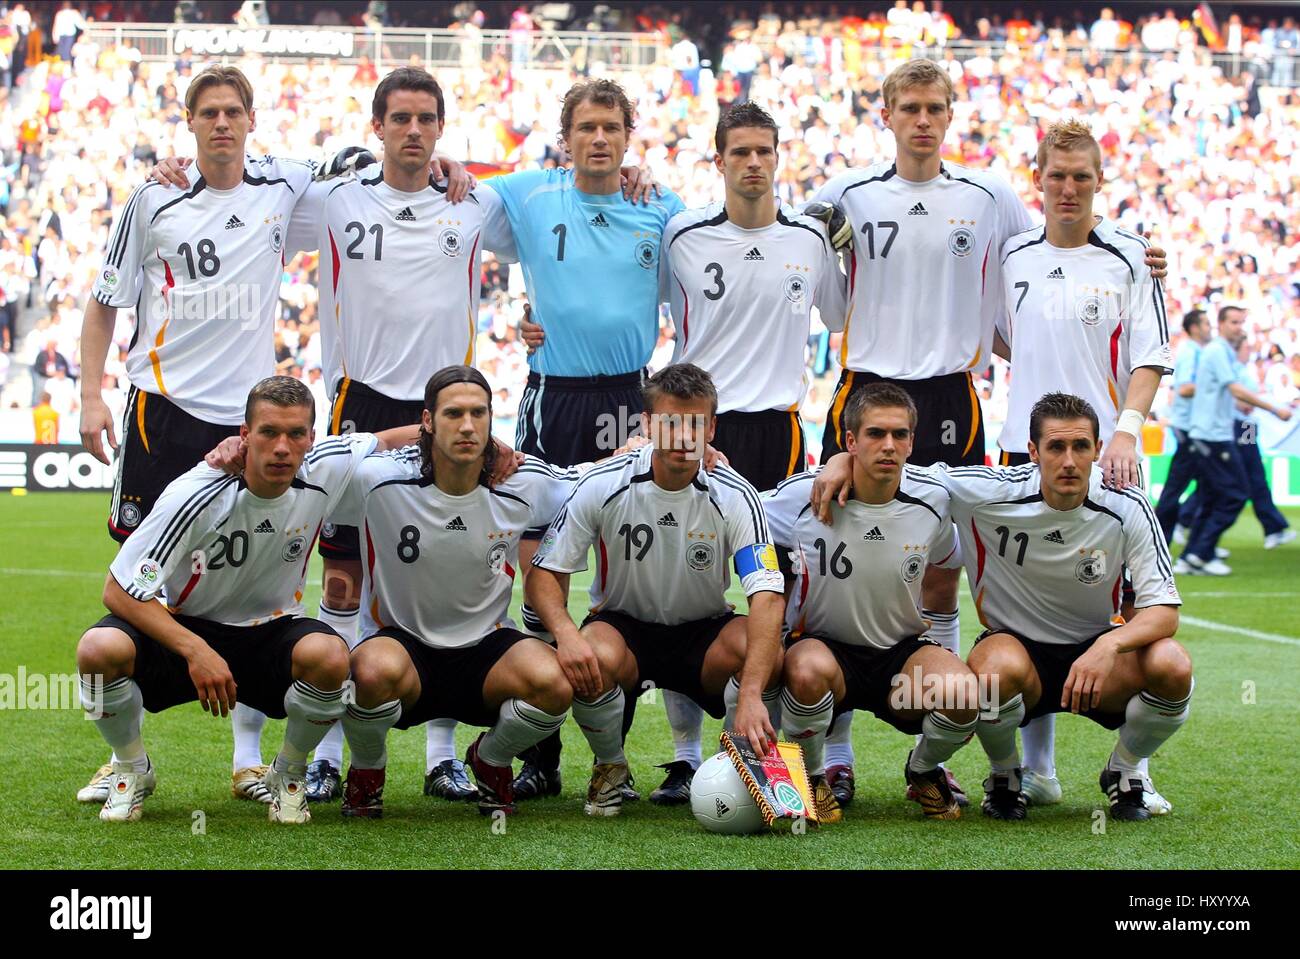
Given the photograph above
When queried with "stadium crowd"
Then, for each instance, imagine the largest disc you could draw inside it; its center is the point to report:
(1205, 161)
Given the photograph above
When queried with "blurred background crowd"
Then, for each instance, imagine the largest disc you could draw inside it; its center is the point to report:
(1198, 117)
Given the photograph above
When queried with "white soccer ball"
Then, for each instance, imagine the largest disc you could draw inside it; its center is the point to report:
(720, 800)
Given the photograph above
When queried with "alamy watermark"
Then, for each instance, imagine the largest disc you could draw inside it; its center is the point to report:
(24, 690)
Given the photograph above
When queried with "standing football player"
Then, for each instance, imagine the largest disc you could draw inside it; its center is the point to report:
(399, 292)
(925, 291)
(1082, 314)
(743, 273)
(663, 529)
(227, 556)
(856, 636)
(590, 258)
(201, 266)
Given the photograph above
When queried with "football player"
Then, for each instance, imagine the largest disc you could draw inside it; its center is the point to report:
(663, 529)
(227, 556)
(856, 639)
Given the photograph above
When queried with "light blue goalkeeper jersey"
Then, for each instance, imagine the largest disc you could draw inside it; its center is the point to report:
(591, 266)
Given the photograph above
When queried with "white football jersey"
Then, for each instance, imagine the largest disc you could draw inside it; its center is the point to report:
(210, 548)
(202, 269)
(1079, 320)
(858, 581)
(924, 286)
(1054, 576)
(400, 280)
(442, 567)
(741, 302)
(662, 556)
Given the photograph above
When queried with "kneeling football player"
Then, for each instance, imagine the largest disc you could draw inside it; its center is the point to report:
(664, 529)
(1045, 546)
(205, 601)
(442, 551)
(856, 636)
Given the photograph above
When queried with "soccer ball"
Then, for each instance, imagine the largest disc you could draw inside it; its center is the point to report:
(720, 800)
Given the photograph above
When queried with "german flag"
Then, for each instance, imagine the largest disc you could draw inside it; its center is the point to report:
(485, 171)
(1204, 19)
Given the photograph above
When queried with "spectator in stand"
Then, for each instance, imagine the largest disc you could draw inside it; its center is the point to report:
(45, 420)
(68, 22)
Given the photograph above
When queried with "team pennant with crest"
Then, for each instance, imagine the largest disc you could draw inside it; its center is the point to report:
(778, 780)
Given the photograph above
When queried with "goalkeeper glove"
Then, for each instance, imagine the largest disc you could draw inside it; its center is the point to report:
(347, 160)
(837, 226)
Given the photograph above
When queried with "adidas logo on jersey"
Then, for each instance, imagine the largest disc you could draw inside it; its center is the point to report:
(406, 215)
(918, 210)
(1055, 537)
(667, 520)
(1057, 274)
(754, 254)
(234, 223)
(875, 536)
(264, 527)
(599, 220)
(457, 524)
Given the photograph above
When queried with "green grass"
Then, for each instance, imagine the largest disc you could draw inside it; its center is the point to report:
(1229, 772)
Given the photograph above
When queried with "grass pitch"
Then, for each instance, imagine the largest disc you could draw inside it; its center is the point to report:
(1229, 772)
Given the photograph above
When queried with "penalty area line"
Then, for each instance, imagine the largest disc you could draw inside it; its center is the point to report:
(1239, 630)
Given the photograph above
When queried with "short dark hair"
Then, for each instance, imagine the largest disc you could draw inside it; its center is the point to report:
(405, 78)
(684, 381)
(1061, 406)
(1192, 318)
(603, 93)
(1225, 310)
(443, 378)
(746, 114)
(877, 396)
(282, 391)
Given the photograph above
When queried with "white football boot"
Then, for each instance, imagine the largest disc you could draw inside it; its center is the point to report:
(127, 790)
(288, 798)
(1039, 790)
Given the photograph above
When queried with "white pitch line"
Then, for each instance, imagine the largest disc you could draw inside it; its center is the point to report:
(14, 571)
(1239, 630)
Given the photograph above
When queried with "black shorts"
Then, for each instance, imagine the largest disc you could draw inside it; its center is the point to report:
(1012, 459)
(1052, 662)
(869, 675)
(567, 420)
(765, 448)
(671, 657)
(260, 658)
(451, 680)
(160, 441)
(949, 421)
(359, 409)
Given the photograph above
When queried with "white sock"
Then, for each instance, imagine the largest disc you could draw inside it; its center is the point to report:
(367, 733)
(601, 722)
(1148, 722)
(439, 742)
(120, 706)
(518, 726)
(945, 629)
(730, 698)
(772, 700)
(1038, 738)
(839, 740)
(309, 708)
(246, 724)
(686, 719)
(940, 738)
(807, 726)
(330, 748)
(345, 622)
(998, 736)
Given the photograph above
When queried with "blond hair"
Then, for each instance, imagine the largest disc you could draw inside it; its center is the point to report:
(1068, 134)
(219, 76)
(916, 73)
